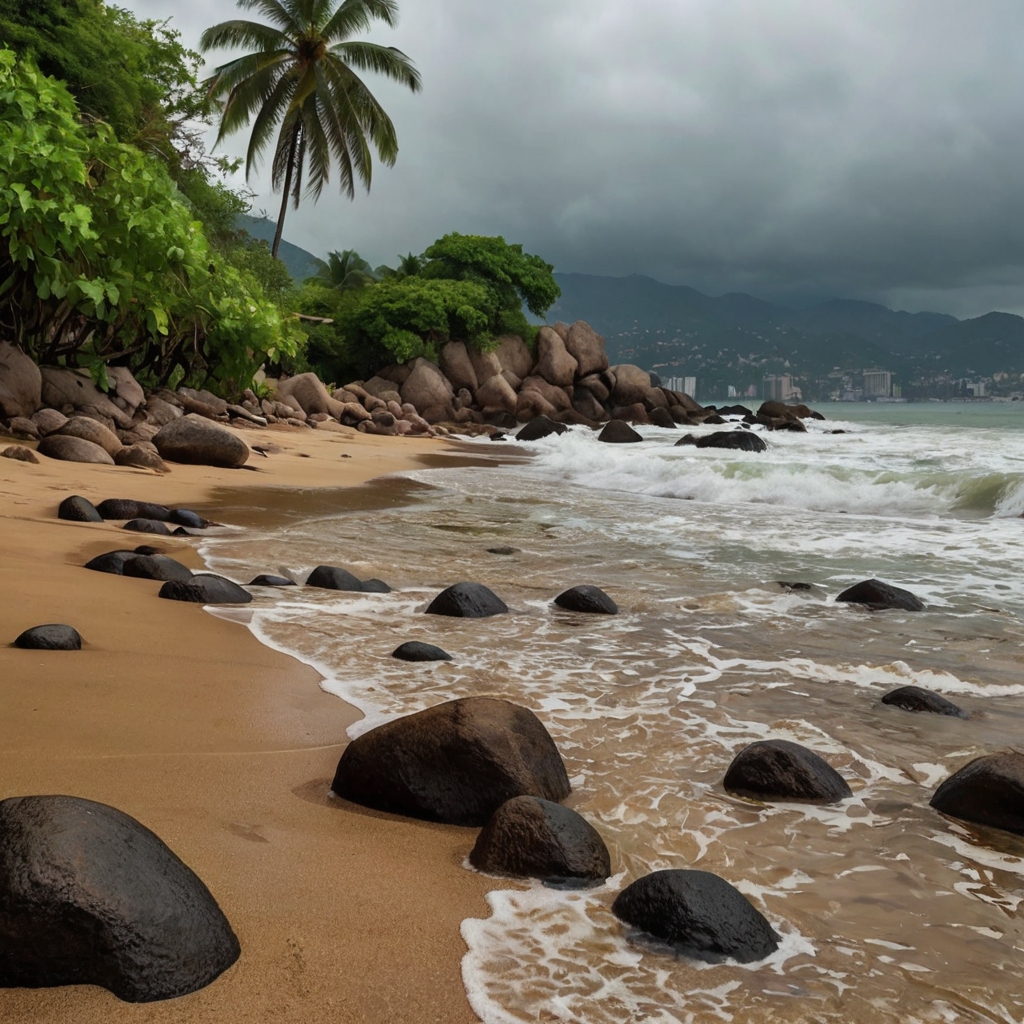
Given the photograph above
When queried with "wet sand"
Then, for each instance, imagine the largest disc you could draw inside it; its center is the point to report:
(225, 749)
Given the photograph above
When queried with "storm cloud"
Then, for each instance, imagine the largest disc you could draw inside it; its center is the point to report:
(794, 149)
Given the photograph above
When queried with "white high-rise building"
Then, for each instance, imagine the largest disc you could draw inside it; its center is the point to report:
(877, 384)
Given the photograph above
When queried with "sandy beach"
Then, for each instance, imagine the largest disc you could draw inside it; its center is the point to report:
(225, 749)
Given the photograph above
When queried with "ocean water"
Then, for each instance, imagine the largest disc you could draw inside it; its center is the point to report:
(887, 911)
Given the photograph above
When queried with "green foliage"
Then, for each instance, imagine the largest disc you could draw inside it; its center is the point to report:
(102, 261)
(344, 271)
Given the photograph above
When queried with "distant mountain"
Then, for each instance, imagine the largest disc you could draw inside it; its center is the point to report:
(300, 264)
(737, 339)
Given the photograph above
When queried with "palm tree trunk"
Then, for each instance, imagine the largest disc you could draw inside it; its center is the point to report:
(284, 196)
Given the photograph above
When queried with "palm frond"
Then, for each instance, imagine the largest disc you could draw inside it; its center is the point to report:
(247, 91)
(271, 111)
(352, 95)
(230, 35)
(358, 16)
(383, 60)
(279, 13)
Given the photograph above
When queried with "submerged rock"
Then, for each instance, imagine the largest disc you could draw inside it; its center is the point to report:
(52, 637)
(878, 595)
(987, 791)
(467, 601)
(587, 599)
(205, 588)
(737, 440)
(414, 650)
(699, 914)
(88, 896)
(538, 427)
(528, 837)
(456, 762)
(331, 577)
(914, 698)
(264, 580)
(375, 586)
(781, 770)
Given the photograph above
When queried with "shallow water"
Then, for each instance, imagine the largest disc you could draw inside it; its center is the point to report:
(888, 912)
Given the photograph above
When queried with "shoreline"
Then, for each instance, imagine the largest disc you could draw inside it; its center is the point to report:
(225, 748)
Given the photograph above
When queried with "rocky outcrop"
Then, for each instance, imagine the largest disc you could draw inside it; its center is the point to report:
(538, 427)
(415, 650)
(456, 365)
(195, 439)
(70, 391)
(467, 601)
(699, 914)
(528, 837)
(456, 762)
(88, 896)
(587, 599)
(781, 770)
(73, 449)
(915, 698)
(309, 392)
(513, 355)
(586, 346)
(632, 385)
(128, 393)
(879, 596)
(496, 395)
(429, 391)
(554, 363)
(21, 383)
(987, 791)
(52, 637)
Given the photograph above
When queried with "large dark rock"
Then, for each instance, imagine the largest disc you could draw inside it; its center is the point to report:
(147, 526)
(914, 698)
(128, 508)
(205, 588)
(195, 439)
(878, 595)
(375, 586)
(699, 914)
(528, 837)
(456, 762)
(265, 580)
(414, 650)
(110, 561)
(186, 517)
(538, 427)
(88, 896)
(587, 599)
(618, 432)
(155, 567)
(737, 440)
(467, 601)
(987, 791)
(330, 577)
(52, 637)
(780, 770)
(76, 509)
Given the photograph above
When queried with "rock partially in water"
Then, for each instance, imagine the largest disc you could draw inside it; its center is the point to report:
(51, 637)
(331, 577)
(587, 599)
(456, 762)
(375, 586)
(987, 791)
(265, 580)
(781, 770)
(618, 432)
(504, 549)
(147, 526)
(914, 698)
(88, 896)
(186, 517)
(467, 601)
(699, 914)
(414, 650)
(528, 837)
(878, 595)
(736, 440)
(205, 588)
(77, 509)
(538, 427)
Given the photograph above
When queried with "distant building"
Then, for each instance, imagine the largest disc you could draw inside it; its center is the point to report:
(877, 384)
(781, 389)
(751, 391)
(686, 385)
(730, 392)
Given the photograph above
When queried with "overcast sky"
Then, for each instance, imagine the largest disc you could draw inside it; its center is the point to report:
(794, 149)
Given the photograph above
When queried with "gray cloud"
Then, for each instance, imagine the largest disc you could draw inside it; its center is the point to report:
(793, 149)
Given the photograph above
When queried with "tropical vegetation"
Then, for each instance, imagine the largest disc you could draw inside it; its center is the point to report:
(300, 82)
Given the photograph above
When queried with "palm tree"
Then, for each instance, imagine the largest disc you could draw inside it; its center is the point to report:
(301, 76)
(344, 271)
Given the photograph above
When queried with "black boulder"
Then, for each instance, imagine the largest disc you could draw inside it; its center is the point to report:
(52, 637)
(414, 650)
(699, 914)
(330, 577)
(147, 526)
(878, 595)
(78, 510)
(205, 588)
(781, 770)
(110, 561)
(618, 432)
(467, 601)
(186, 517)
(128, 508)
(88, 896)
(587, 599)
(375, 586)
(265, 580)
(528, 837)
(914, 698)
(736, 440)
(155, 567)
(987, 791)
(538, 427)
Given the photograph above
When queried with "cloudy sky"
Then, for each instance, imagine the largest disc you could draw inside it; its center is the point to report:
(795, 149)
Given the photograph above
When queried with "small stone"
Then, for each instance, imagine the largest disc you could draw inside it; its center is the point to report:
(19, 453)
(52, 637)
(414, 650)
(503, 550)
